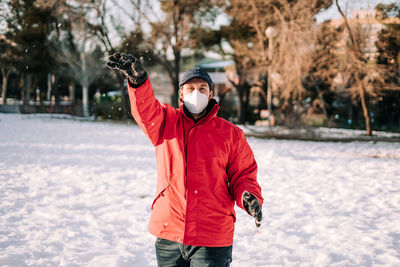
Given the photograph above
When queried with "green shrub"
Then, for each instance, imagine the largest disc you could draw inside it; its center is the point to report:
(108, 108)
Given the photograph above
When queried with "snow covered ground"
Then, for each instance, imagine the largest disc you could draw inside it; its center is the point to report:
(78, 193)
(318, 133)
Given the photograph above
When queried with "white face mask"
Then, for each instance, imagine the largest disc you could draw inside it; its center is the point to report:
(195, 102)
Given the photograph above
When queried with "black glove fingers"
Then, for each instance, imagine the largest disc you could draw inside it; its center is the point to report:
(120, 59)
(257, 207)
(129, 72)
(257, 211)
(114, 61)
(258, 216)
(113, 58)
(137, 68)
(134, 70)
(112, 65)
(253, 207)
(128, 58)
(258, 221)
(253, 202)
(130, 66)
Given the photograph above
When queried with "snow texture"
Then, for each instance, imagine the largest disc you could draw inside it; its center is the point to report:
(78, 193)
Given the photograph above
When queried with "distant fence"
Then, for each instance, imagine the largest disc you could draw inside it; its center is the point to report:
(9, 108)
(59, 108)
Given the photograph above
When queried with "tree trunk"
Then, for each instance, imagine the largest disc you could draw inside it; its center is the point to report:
(71, 89)
(122, 79)
(56, 93)
(321, 98)
(242, 111)
(27, 89)
(85, 100)
(85, 84)
(269, 92)
(175, 82)
(365, 111)
(174, 96)
(49, 76)
(244, 92)
(222, 95)
(241, 104)
(4, 89)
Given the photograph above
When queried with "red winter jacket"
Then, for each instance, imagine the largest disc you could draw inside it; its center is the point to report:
(202, 168)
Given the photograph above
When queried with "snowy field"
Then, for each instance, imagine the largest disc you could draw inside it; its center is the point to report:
(78, 193)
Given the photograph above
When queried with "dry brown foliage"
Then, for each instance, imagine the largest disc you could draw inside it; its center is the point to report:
(361, 78)
(292, 47)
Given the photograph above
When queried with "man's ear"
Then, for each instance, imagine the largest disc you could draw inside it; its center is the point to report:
(211, 95)
(180, 93)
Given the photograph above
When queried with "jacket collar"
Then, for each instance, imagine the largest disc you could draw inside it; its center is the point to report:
(211, 111)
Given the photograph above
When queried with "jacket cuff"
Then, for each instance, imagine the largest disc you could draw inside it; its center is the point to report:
(239, 197)
(139, 81)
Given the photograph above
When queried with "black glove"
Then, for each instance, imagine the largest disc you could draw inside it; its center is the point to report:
(130, 66)
(253, 207)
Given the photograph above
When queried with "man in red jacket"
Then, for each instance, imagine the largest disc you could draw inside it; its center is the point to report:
(204, 165)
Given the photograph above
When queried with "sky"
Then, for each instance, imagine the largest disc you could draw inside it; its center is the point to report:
(348, 6)
(332, 13)
(121, 18)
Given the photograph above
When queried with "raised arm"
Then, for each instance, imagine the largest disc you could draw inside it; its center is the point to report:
(147, 111)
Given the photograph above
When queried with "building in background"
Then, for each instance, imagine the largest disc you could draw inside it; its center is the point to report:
(371, 23)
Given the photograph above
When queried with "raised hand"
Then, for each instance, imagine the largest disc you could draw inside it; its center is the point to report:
(130, 66)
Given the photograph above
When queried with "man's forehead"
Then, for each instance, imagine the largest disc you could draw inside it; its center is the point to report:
(197, 80)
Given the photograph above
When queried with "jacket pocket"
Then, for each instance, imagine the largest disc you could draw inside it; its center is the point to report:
(227, 209)
(160, 194)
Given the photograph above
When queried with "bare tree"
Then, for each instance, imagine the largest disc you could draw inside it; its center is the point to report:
(362, 78)
(77, 48)
(6, 66)
(29, 26)
(93, 15)
(295, 47)
(8, 60)
(247, 45)
(325, 63)
(388, 44)
(100, 28)
(171, 29)
(292, 47)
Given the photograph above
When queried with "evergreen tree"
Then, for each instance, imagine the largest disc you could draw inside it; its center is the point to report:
(29, 25)
(388, 58)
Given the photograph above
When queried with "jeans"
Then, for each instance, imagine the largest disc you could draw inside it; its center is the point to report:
(173, 254)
